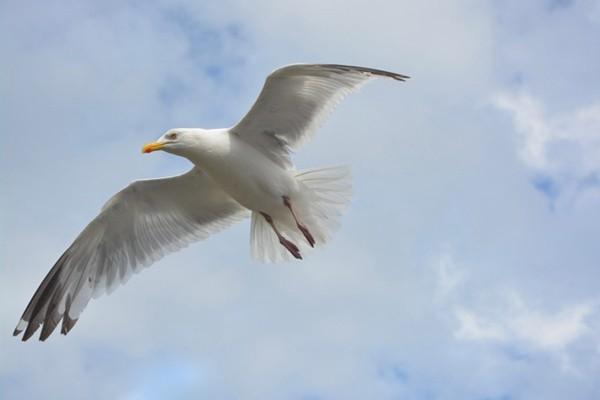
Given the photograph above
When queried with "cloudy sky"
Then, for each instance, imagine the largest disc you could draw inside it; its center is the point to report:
(467, 266)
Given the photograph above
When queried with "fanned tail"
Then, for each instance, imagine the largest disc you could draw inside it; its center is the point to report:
(324, 195)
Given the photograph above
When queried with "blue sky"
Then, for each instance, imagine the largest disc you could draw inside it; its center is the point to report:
(466, 266)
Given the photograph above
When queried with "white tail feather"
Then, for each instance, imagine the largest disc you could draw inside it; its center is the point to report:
(324, 195)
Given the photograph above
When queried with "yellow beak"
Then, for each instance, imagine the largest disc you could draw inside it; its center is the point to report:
(150, 147)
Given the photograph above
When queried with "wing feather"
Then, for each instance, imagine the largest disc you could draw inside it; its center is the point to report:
(136, 227)
(295, 100)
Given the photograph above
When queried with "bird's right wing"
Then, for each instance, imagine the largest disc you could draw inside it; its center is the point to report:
(137, 226)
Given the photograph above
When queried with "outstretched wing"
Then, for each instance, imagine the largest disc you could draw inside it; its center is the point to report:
(295, 100)
(137, 226)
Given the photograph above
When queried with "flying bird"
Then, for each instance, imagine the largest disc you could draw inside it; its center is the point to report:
(238, 172)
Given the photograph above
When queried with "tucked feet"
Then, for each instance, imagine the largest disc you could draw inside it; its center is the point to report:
(290, 246)
(309, 237)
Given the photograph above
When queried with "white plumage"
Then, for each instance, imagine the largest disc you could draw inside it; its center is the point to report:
(241, 171)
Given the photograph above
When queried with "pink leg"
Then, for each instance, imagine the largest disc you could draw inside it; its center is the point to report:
(309, 237)
(291, 247)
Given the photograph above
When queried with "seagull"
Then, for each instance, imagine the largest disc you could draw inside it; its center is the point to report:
(238, 172)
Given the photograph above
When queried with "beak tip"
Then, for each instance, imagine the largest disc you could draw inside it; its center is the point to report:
(150, 147)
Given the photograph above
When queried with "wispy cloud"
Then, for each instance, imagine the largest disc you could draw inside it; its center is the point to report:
(563, 149)
(517, 322)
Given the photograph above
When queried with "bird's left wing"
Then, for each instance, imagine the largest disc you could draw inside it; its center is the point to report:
(137, 226)
(295, 99)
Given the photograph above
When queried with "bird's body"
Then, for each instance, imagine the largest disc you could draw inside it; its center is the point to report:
(240, 171)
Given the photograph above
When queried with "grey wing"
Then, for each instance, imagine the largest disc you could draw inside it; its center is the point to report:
(137, 226)
(294, 100)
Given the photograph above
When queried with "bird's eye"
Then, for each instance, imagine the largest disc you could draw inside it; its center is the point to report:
(172, 136)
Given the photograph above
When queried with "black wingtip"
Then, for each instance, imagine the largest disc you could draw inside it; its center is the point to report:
(393, 75)
(48, 328)
(28, 333)
(68, 324)
(401, 78)
(372, 71)
(21, 325)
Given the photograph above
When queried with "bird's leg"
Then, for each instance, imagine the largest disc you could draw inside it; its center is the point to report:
(291, 247)
(309, 237)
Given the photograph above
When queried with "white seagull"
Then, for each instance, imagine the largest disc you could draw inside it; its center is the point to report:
(239, 171)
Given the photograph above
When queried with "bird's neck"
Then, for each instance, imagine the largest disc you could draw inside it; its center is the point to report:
(210, 146)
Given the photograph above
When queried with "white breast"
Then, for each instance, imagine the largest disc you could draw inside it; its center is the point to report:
(244, 172)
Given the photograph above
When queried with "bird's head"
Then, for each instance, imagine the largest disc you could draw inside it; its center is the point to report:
(175, 141)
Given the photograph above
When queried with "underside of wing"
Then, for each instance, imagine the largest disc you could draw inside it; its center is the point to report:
(136, 227)
(295, 100)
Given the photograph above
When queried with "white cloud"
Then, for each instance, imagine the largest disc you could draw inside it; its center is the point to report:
(563, 147)
(474, 327)
(515, 322)
(551, 330)
(559, 144)
(506, 317)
